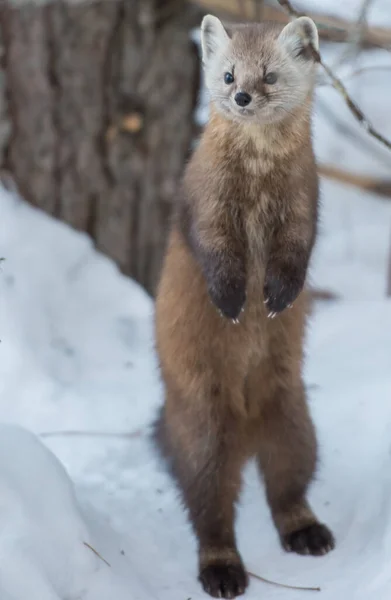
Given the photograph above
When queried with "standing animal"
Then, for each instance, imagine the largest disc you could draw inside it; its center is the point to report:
(231, 304)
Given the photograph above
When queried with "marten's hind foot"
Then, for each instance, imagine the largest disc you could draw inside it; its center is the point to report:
(315, 540)
(287, 456)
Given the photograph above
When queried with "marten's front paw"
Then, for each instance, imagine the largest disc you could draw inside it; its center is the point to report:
(229, 299)
(315, 539)
(224, 580)
(281, 289)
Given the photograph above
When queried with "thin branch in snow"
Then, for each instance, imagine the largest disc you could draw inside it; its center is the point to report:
(283, 585)
(322, 294)
(339, 86)
(109, 434)
(97, 553)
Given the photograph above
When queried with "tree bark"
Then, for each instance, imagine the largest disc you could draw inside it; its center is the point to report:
(96, 116)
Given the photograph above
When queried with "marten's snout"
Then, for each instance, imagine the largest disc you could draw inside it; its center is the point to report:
(242, 99)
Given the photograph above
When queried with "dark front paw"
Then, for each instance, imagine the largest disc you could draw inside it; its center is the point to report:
(281, 289)
(315, 539)
(229, 299)
(224, 581)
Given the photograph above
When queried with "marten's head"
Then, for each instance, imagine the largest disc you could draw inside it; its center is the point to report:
(259, 73)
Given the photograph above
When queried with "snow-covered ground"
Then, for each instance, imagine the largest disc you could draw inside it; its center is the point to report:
(78, 373)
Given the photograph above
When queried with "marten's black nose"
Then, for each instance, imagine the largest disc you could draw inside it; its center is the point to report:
(242, 98)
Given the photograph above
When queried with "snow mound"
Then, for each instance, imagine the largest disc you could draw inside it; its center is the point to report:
(43, 542)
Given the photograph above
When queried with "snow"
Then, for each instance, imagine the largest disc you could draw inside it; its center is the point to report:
(45, 542)
(79, 389)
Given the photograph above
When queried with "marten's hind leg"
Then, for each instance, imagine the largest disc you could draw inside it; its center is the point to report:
(287, 458)
(286, 443)
(206, 460)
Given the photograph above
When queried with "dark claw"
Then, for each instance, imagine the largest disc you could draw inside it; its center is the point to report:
(280, 290)
(230, 299)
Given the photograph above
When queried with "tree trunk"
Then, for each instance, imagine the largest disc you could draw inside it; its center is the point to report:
(96, 116)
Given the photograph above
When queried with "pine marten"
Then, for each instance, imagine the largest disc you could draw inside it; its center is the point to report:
(231, 304)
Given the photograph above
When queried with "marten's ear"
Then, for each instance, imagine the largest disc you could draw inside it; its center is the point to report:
(298, 36)
(213, 36)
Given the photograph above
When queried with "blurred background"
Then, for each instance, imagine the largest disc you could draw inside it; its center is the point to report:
(101, 103)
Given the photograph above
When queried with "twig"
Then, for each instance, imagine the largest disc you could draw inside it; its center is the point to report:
(356, 36)
(357, 33)
(360, 71)
(109, 434)
(96, 553)
(339, 86)
(283, 585)
(362, 19)
(364, 182)
(321, 294)
(289, 8)
(354, 109)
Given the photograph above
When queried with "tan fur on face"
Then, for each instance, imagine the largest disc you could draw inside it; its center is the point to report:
(249, 53)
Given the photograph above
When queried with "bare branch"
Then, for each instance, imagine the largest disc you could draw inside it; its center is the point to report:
(321, 294)
(283, 585)
(364, 182)
(339, 86)
(356, 35)
(358, 31)
(362, 20)
(353, 107)
(289, 8)
(360, 71)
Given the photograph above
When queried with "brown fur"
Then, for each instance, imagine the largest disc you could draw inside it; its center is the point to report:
(246, 223)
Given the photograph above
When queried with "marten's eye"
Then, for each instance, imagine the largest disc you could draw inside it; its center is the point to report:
(228, 78)
(270, 78)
